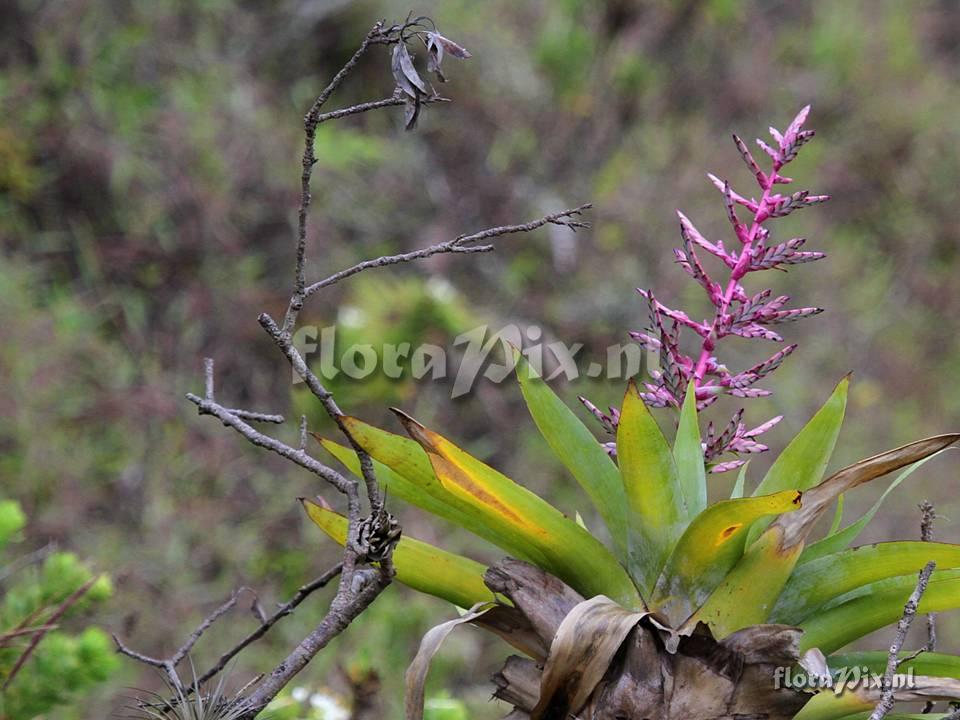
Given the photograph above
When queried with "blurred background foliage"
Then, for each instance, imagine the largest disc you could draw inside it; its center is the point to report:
(148, 183)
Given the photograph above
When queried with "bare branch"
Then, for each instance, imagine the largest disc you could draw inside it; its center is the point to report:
(367, 584)
(285, 609)
(209, 620)
(26, 560)
(461, 244)
(366, 567)
(885, 705)
(927, 516)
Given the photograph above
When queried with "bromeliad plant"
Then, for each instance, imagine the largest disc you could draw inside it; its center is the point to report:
(692, 607)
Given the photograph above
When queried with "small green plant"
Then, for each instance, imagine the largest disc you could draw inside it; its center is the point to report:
(41, 665)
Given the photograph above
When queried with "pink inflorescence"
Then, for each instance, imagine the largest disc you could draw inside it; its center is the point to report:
(735, 311)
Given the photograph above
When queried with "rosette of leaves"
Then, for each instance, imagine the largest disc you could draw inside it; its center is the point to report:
(42, 665)
(679, 608)
(690, 607)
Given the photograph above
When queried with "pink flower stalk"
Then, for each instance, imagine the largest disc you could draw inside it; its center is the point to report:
(735, 311)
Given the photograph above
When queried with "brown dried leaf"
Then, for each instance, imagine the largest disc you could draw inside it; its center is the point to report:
(411, 112)
(582, 650)
(448, 45)
(399, 76)
(401, 57)
(797, 525)
(416, 675)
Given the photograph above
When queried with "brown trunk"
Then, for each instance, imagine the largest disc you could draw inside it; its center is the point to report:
(704, 679)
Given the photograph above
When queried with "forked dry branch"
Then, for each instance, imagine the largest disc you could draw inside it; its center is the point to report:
(366, 568)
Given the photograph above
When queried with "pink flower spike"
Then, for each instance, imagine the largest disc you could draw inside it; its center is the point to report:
(735, 312)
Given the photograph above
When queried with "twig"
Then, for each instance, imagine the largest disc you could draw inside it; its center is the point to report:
(5, 637)
(903, 627)
(64, 607)
(27, 560)
(169, 665)
(928, 515)
(285, 609)
(463, 243)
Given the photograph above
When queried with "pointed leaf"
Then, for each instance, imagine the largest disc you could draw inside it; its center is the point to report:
(578, 450)
(932, 664)
(397, 486)
(802, 464)
(837, 517)
(416, 675)
(566, 549)
(419, 565)
(815, 583)
(815, 501)
(748, 593)
(653, 490)
(836, 541)
(688, 456)
(709, 549)
(739, 486)
(834, 628)
(406, 459)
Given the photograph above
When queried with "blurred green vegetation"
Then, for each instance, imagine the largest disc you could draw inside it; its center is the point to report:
(64, 663)
(148, 183)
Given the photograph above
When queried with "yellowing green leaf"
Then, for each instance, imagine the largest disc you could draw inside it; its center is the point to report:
(565, 549)
(419, 565)
(747, 595)
(397, 486)
(688, 457)
(406, 459)
(579, 451)
(653, 490)
(709, 549)
(802, 464)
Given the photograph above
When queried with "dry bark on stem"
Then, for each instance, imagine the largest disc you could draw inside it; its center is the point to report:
(885, 705)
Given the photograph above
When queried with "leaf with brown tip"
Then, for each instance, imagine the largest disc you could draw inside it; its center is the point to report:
(564, 548)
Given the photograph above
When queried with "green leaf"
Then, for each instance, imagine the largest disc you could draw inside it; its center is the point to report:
(579, 451)
(815, 583)
(739, 486)
(419, 565)
(933, 664)
(836, 541)
(749, 593)
(566, 549)
(802, 464)
(653, 490)
(688, 457)
(839, 626)
(710, 547)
